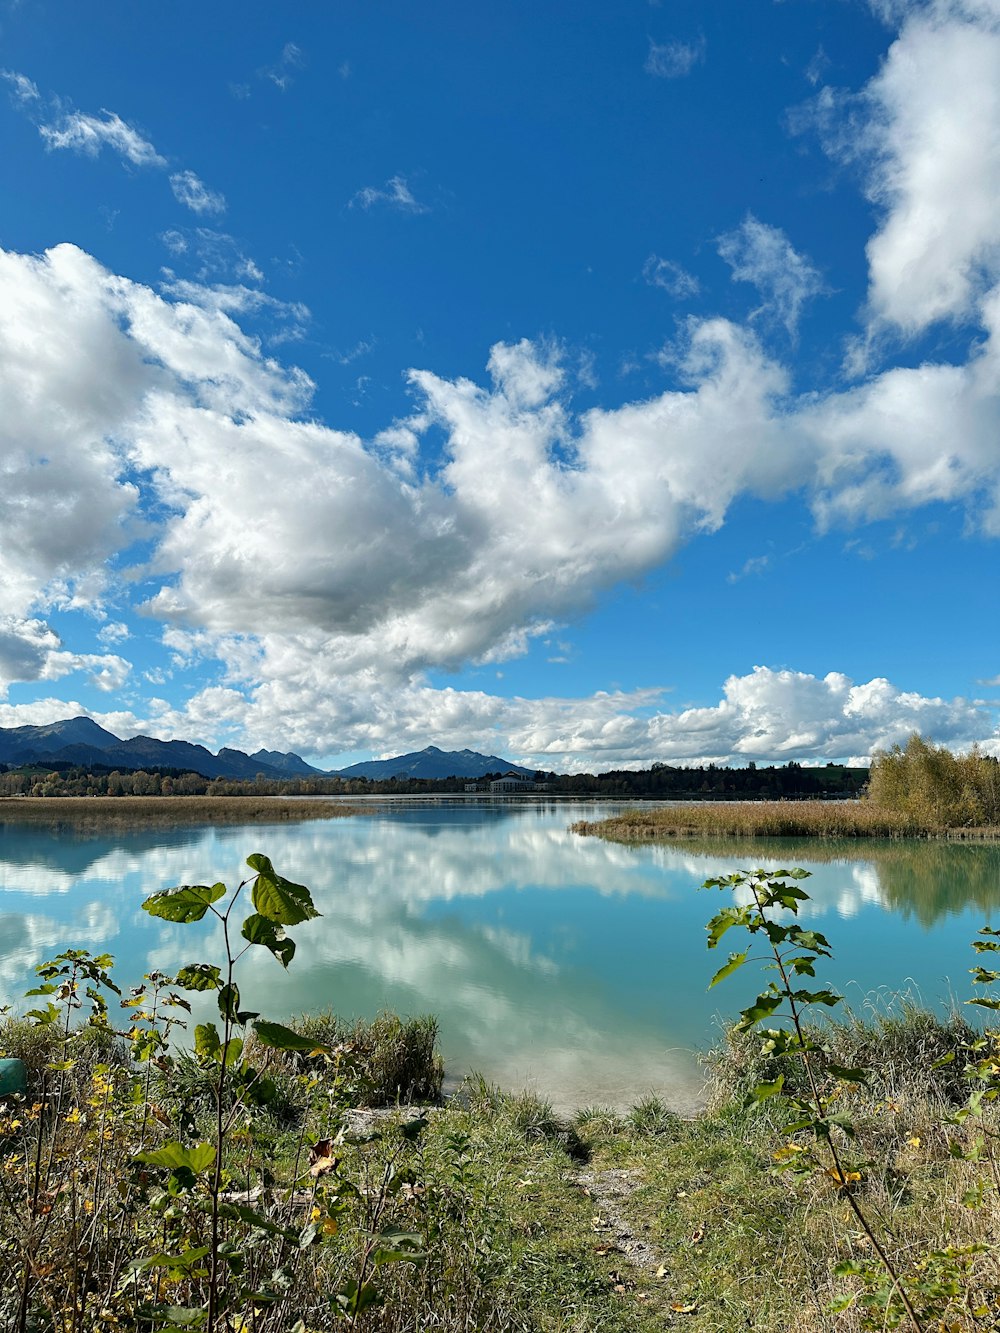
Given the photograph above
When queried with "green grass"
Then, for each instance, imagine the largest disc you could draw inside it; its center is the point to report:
(389, 1059)
(494, 1183)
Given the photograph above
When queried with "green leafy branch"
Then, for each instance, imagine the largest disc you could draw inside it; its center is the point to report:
(793, 952)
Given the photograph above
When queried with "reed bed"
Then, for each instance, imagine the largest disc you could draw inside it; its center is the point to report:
(123, 812)
(773, 819)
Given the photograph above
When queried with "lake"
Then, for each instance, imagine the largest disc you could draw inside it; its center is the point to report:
(565, 964)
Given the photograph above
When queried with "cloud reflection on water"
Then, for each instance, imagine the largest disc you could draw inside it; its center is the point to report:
(568, 963)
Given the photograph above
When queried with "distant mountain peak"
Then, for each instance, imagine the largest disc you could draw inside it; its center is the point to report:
(433, 762)
(81, 740)
(290, 764)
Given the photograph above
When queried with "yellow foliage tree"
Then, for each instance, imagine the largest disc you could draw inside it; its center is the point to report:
(936, 787)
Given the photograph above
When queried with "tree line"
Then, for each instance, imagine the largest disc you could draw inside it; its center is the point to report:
(790, 781)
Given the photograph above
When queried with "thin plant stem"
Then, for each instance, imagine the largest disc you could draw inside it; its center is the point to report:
(820, 1107)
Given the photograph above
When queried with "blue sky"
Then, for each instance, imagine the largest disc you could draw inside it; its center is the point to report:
(589, 384)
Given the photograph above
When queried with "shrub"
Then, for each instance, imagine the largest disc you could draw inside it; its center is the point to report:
(934, 787)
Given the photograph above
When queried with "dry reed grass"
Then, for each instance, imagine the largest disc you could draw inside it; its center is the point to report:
(772, 819)
(120, 812)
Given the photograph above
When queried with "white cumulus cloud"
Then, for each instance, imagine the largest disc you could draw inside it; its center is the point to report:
(325, 574)
(926, 129)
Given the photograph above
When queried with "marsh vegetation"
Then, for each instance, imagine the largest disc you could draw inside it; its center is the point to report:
(117, 814)
(917, 791)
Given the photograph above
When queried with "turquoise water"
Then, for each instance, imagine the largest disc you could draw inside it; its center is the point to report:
(562, 963)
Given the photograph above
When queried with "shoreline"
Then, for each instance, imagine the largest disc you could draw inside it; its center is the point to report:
(112, 811)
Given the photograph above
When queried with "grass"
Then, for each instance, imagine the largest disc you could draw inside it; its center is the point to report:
(771, 819)
(392, 1060)
(745, 1248)
(102, 813)
(615, 1222)
(387, 1060)
(485, 1182)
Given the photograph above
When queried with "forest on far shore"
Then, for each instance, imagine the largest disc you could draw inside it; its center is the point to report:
(789, 782)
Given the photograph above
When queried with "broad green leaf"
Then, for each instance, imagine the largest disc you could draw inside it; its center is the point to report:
(736, 961)
(229, 1001)
(763, 1007)
(175, 1155)
(847, 1075)
(353, 1299)
(813, 940)
(827, 997)
(277, 898)
(186, 1259)
(783, 895)
(843, 1121)
(207, 1045)
(198, 976)
(984, 1003)
(238, 1212)
(764, 1090)
(190, 902)
(412, 1129)
(848, 1268)
(261, 930)
(805, 1121)
(387, 1255)
(778, 1041)
(775, 933)
(724, 920)
(284, 1039)
(802, 966)
(233, 1051)
(43, 1017)
(185, 1316)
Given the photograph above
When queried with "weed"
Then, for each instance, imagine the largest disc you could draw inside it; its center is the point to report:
(651, 1116)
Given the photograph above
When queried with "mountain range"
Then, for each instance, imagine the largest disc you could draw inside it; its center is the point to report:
(434, 763)
(81, 741)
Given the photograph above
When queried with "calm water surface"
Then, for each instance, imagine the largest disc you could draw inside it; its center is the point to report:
(563, 963)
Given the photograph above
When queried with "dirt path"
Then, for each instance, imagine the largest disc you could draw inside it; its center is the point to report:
(610, 1191)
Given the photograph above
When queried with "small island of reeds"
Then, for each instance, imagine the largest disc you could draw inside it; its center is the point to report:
(920, 791)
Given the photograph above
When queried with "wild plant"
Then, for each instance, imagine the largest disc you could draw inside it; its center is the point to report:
(982, 1067)
(792, 951)
(118, 1201)
(946, 1280)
